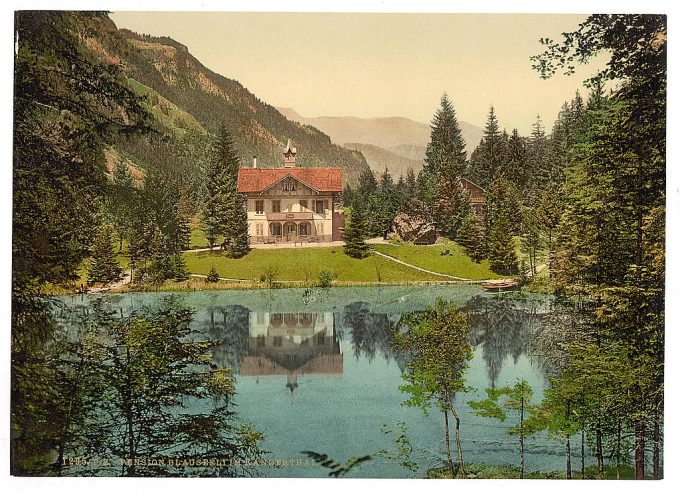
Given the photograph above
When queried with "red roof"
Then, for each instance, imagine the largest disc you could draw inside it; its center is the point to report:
(319, 179)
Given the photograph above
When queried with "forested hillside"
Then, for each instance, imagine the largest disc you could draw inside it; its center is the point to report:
(189, 102)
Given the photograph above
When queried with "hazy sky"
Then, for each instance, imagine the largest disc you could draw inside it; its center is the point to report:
(379, 65)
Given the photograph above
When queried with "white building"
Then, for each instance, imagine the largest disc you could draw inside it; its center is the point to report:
(291, 203)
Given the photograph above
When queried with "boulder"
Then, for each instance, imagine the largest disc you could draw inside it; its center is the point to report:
(413, 228)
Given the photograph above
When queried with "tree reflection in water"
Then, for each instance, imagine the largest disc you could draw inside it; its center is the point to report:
(371, 332)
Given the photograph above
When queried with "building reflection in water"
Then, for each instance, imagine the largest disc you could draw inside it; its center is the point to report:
(292, 345)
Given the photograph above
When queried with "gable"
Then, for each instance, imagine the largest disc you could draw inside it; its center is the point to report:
(252, 180)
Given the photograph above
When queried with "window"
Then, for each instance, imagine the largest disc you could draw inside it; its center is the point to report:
(304, 228)
(259, 206)
(276, 229)
(303, 204)
(258, 229)
(320, 207)
(276, 206)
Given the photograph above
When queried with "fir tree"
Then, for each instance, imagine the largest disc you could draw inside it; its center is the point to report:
(104, 267)
(356, 233)
(486, 159)
(236, 231)
(445, 158)
(502, 248)
(445, 155)
(471, 237)
(367, 183)
(539, 160)
(179, 268)
(411, 184)
(453, 207)
(386, 204)
(121, 201)
(220, 177)
(516, 165)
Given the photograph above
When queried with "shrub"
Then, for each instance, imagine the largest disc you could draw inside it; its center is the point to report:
(269, 275)
(213, 276)
(326, 278)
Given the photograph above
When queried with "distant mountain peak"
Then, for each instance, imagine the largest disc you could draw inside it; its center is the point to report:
(385, 132)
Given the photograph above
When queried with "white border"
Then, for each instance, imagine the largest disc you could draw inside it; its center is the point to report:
(74, 486)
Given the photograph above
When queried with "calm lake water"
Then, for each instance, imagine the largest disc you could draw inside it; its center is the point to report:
(315, 371)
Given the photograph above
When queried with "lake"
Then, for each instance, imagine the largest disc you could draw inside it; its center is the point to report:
(315, 371)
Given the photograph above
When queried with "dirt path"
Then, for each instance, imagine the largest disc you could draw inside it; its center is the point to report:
(114, 286)
(427, 271)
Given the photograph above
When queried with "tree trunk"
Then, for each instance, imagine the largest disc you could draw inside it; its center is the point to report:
(568, 456)
(657, 441)
(461, 466)
(568, 443)
(618, 448)
(598, 450)
(583, 454)
(521, 439)
(550, 253)
(639, 450)
(448, 442)
(130, 421)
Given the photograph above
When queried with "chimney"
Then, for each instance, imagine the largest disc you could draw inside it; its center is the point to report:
(254, 162)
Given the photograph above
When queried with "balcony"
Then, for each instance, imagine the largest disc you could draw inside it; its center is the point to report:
(290, 216)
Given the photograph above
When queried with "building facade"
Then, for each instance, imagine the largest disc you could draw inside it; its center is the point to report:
(291, 203)
(477, 197)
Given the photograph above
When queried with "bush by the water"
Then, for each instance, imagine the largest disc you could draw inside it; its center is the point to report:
(213, 276)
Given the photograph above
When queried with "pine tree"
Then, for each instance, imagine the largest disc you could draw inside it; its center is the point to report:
(236, 229)
(502, 248)
(539, 160)
(367, 183)
(184, 212)
(516, 165)
(445, 157)
(453, 206)
(104, 267)
(121, 201)
(356, 233)
(471, 237)
(411, 184)
(179, 268)
(222, 170)
(486, 159)
(549, 212)
(384, 203)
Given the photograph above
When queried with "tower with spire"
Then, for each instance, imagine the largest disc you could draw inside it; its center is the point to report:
(289, 156)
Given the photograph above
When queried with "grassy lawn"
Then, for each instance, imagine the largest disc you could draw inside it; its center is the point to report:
(304, 264)
(429, 257)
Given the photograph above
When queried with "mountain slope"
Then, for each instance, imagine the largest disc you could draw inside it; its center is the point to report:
(385, 132)
(380, 159)
(200, 100)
